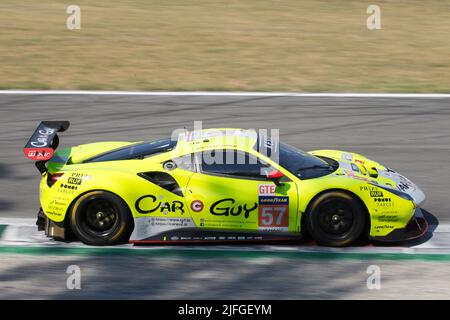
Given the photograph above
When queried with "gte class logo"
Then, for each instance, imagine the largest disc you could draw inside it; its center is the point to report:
(266, 189)
(226, 207)
(197, 205)
(148, 204)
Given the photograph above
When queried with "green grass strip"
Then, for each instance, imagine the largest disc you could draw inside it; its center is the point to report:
(201, 254)
(2, 229)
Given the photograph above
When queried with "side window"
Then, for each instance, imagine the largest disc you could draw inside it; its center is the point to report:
(233, 163)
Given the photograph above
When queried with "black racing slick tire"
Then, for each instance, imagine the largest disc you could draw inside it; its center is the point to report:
(101, 218)
(335, 219)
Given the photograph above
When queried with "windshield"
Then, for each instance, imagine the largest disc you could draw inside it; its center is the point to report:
(302, 164)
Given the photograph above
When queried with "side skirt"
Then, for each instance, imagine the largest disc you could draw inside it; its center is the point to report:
(194, 235)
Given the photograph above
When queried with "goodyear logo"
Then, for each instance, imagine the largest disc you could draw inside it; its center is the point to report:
(376, 194)
(273, 200)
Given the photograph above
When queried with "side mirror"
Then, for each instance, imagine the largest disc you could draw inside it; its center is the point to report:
(275, 176)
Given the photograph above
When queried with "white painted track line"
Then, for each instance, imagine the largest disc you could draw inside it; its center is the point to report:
(24, 232)
(225, 94)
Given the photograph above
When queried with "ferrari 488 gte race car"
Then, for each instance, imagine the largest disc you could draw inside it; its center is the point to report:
(217, 185)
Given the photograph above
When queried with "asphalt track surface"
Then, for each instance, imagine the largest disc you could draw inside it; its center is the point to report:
(411, 135)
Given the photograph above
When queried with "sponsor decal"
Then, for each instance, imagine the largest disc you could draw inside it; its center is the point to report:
(403, 186)
(56, 208)
(227, 207)
(383, 202)
(273, 200)
(386, 226)
(76, 181)
(382, 199)
(169, 222)
(197, 205)
(347, 156)
(376, 194)
(213, 238)
(38, 154)
(273, 213)
(42, 137)
(149, 204)
(354, 175)
(226, 222)
(388, 218)
(51, 212)
(350, 173)
(266, 189)
(368, 188)
(66, 186)
(65, 191)
(82, 176)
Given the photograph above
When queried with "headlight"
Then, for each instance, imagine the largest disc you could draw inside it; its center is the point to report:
(396, 192)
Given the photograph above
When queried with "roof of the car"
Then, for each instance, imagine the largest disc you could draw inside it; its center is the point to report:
(217, 138)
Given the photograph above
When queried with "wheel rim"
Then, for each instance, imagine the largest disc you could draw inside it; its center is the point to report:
(336, 217)
(99, 217)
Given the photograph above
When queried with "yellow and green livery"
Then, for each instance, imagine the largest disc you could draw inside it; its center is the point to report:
(221, 185)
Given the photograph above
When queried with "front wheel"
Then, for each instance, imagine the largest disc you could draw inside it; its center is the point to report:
(101, 218)
(335, 219)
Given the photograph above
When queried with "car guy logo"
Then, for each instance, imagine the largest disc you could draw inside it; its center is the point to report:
(226, 207)
(164, 207)
(42, 138)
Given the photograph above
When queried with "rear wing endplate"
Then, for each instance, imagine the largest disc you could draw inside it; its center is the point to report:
(44, 141)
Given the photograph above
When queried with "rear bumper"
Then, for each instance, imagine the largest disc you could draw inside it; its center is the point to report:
(40, 221)
(415, 229)
(52, 229)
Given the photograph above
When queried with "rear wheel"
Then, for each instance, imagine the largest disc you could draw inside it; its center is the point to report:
(335, 219)
(101, 218)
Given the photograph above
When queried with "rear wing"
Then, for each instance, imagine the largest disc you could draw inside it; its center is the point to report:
(44, 140)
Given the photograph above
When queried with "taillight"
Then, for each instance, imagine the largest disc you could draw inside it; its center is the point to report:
(52, 178)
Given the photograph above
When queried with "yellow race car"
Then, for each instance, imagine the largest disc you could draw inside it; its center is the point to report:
(217, 185)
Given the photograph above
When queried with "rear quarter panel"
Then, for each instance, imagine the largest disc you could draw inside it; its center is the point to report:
(56, 200)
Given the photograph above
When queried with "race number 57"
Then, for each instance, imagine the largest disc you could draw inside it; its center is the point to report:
(273, 216)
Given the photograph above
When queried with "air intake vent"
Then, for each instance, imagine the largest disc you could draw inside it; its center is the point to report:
(164, 180)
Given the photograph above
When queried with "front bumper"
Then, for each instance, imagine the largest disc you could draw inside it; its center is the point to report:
(415, 229)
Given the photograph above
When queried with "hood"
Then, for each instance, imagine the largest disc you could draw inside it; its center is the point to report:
(359, 167)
